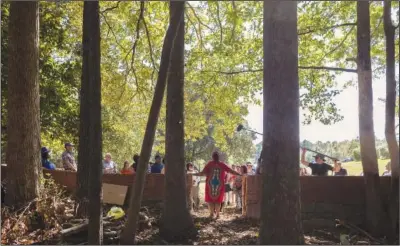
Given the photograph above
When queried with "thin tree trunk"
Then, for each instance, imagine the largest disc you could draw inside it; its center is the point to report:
(23, 124)
(280, 204)
(90, 145)
(177, 223)
(128, 234)
(374, 211)
(390, 131)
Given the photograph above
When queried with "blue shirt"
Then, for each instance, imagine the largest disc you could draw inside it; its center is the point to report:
(48, 164)
(156, 168)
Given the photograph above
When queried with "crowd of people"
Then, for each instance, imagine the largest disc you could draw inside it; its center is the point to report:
(223, 183)
(109, 166)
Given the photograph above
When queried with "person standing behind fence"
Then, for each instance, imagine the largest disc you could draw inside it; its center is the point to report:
(46, 163)
(238, 187)
(135, 162)
(68, 159)
(194, 201)
(108, 165)
(231, 179)
(339, 170)
(250, 170)
(388, 171)
(127, 169)
(319, 168)
(157, 166)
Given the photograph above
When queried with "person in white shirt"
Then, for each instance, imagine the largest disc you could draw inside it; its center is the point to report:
(388, 171)
(108, 165)
(250, 170)
(195, 186)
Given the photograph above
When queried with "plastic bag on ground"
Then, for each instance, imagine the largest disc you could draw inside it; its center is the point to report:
(116, 213)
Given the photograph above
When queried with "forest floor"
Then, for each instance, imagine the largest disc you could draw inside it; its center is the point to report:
(230, 229)
(46, 221)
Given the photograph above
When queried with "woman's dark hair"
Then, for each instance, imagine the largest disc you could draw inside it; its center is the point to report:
(215, 156)
(188, 165)
(244, 169)
(136, 158)
(45, 156)
(126, 163)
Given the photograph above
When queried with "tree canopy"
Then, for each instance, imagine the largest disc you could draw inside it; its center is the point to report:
(223, 70)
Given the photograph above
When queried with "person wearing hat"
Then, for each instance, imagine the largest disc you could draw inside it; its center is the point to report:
(45, 159)
(68, 159)
(157, 166)
(319, 168)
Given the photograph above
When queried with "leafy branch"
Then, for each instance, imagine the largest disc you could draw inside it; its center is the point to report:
(198, 32)
(339, 45)
(110, 8)
(150, 49)
(197, 17)
(325, 28)
(110, 29)
(349, 70)
(219, 22)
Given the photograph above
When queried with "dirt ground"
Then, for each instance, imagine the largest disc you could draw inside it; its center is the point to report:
(231, 229)
(44, 222)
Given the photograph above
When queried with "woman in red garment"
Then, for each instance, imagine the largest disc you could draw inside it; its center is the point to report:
(215, 172)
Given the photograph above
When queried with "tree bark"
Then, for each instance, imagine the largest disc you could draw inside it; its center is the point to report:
(374, 211)
(390, 131)
(280, 204)
(90, 142)
(176, 221)
(128, 234)
(23, 124)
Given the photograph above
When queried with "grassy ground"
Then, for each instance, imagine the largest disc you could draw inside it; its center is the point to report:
(354, 168)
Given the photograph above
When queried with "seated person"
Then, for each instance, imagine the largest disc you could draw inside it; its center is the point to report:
(127, 169)
(45, 159)
(108, 165)
(157, 166)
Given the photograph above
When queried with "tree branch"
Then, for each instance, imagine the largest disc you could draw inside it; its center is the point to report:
(349, 70)
(112, 31)
(325, 28)
(339, 45)
(197, 17)
(219, 23)
(198, 35)
(150, 49)
(111, 8)
(234, 22)
(131, 68)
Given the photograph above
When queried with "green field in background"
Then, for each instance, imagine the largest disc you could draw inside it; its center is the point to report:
(354, 168)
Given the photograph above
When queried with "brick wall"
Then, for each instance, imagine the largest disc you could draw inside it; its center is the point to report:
(326, 198)
(153, 189)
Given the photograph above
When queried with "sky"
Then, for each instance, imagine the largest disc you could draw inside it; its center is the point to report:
(347, 103)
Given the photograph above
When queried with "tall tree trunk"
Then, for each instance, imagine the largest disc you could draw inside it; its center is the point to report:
(280, 213)
(177, 223)
(390, 131)
(23, 125)
(128, 234)
(90, 142)
(374, 211)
